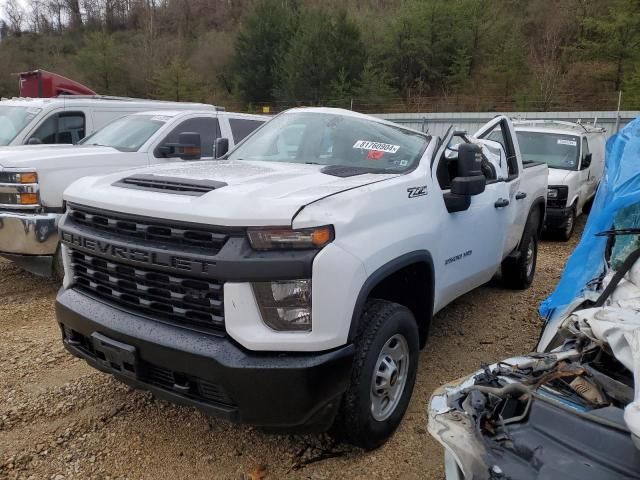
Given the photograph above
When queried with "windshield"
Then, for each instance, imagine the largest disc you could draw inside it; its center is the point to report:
(333, 139)
(557, 151)
(13, 120)
(127, 134)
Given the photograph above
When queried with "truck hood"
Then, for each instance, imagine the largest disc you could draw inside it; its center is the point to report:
(28, 156)
(557, 176)
(243, 193)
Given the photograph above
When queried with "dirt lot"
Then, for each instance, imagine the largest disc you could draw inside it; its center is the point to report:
(59, 419)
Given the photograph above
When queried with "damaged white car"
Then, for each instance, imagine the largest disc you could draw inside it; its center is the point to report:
(571, 410)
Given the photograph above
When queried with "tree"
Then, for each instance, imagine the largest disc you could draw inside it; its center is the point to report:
(261, 44)
(100, 62)
(177, 82)
(422, 43)
(15, 17)
(325, 59)
(614, 37)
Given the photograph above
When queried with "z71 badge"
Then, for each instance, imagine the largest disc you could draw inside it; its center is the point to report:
(417, 191)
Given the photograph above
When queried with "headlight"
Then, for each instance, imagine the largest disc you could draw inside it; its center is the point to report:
(285, 305)
(552, 193)
(287, 239)
(19, 199)
(18, 177)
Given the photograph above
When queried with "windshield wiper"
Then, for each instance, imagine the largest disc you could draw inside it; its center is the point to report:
(619, 231)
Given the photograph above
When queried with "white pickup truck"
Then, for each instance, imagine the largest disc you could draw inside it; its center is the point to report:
(574, 153)
(68, 119)
(33, 178)
(292, 283)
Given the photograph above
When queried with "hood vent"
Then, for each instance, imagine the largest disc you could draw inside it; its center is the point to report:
(345, 171)
(176, 185)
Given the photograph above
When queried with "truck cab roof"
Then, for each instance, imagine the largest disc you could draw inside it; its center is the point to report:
(558, 127)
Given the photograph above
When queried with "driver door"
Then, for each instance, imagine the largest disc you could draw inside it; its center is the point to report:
(472, 241)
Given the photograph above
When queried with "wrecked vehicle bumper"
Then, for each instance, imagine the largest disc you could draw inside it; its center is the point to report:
(516, 420)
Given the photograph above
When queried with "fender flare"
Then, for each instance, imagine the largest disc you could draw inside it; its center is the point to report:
(540, 201)
(389, 268)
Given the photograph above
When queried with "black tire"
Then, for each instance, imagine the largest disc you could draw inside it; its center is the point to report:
(518, 272)
(381, 322)
(58, 266)
(565, 233)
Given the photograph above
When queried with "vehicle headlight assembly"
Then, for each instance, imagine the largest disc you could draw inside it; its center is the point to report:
(552, 193)
(285, 305)
(290, 239)
(18, 177)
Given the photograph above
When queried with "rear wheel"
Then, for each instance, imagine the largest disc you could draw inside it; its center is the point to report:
(518, 271)
(383, 375)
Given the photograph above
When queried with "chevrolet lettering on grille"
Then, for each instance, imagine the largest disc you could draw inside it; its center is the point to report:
(136, 255)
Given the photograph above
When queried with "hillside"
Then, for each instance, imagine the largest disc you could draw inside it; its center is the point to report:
(374, 55)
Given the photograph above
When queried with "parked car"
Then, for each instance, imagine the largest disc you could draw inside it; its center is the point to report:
(574, 153)
(291, 284)
(572, 409)
(33, 178)
(68, 119)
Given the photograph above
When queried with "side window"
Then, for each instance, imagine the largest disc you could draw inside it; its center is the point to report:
(242, 127)
(447, 168)
(67, 127)
(207, 127)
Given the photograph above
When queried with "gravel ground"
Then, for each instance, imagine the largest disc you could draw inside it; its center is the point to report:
(59, 419)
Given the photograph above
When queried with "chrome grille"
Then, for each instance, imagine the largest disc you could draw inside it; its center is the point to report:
(176, 299)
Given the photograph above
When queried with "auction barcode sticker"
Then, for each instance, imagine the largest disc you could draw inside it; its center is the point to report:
(381, 147)
(567, 142)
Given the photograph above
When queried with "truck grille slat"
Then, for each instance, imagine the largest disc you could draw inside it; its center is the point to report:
(180, 300)
(167, 233)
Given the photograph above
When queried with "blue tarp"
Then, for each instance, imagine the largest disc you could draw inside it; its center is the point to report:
(619, 188)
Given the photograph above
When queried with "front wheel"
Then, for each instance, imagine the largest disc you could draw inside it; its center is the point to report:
(383, 375)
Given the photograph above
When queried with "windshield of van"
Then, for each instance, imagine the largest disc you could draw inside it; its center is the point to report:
(13, 120)
(127, 134)
(556, 150)
(333, 139)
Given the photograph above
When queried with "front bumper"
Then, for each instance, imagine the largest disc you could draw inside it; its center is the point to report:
(289, 391)
(28, 233)
(557, 217)
(30, 240)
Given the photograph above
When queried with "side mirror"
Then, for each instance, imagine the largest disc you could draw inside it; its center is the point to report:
(586, 161)
(221, 147)
(189, 146)
(34, 141)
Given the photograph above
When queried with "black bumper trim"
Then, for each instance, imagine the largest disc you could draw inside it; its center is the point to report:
(40, 265)
(557, 217)
(293, 391)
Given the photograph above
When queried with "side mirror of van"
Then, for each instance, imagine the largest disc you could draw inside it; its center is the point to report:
(469, 181)
(586, 161)
(221, 147)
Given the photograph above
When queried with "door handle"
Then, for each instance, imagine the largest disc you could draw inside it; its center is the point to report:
(521, 195)
(501, 202)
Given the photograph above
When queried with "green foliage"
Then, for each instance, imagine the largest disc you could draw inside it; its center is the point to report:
(614, 37)
(379, 54)
(101, 61)
(177, 82)
(260, 47)
(325, 59)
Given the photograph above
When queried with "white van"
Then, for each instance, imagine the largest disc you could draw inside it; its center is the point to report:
(68, 119)
(574, 153)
